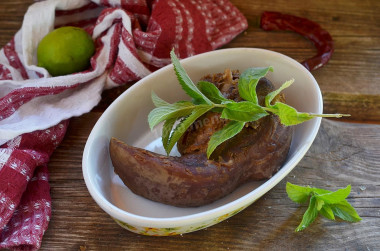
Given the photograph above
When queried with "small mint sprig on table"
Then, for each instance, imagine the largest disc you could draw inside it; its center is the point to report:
(327, 203)
(207, 97)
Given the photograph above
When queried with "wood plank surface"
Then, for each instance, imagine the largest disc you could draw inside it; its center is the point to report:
(352, 73)
(342, 154)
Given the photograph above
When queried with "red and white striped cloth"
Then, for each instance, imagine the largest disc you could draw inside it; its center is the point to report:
(133, 38)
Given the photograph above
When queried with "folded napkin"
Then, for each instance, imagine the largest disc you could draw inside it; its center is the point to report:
(132, 37)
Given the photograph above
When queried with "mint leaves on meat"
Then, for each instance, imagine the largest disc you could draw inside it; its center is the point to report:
(206, 97)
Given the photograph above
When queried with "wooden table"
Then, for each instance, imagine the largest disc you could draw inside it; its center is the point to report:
(343, 152)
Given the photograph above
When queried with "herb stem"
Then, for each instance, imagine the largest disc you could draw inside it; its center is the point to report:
(268, 109)
(330, 115)
(275, 111)
(219, 105)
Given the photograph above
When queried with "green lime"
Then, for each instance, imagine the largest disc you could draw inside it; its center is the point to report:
(65, 50)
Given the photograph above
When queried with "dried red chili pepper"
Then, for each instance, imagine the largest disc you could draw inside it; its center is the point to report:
(307, 28)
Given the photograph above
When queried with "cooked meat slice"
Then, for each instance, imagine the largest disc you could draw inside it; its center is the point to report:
(256, 153)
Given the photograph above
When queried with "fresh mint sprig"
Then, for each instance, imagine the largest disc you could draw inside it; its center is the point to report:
(327, 203)
(207, 97)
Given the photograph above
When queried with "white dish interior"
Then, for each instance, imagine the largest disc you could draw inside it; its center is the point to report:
(126, 119)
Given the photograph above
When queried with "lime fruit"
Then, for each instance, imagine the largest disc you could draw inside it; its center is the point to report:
(65, 50)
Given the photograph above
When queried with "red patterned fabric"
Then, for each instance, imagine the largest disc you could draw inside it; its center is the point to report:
(132, 37)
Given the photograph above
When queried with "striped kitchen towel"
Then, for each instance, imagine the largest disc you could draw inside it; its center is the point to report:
(132, 38)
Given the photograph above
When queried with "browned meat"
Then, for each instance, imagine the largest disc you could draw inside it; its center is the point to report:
(256, 153)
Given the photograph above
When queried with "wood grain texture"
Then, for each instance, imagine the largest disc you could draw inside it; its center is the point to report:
(353, 68)
(342, 154)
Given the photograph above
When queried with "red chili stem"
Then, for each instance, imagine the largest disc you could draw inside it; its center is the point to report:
(319, 37)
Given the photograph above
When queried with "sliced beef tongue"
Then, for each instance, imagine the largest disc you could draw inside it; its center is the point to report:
(256, 153)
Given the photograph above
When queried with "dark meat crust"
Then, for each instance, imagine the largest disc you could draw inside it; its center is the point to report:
(178, 181)
(256, 153)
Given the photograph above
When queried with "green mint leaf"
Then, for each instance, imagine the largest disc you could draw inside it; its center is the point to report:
(197, 101)
(309, 216)
(345, 211)
(166, 130)
(227, 132)
(248, 81)
(289, 115)
(270, 96)
(319, 203)
(185, 81)
(176, 110)
(211, 92)
(180, 129)
(335, 197)
(244, 111)
(217, 109)
(298, 194)
(157, 101)
(319, 190)
(327, 212)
